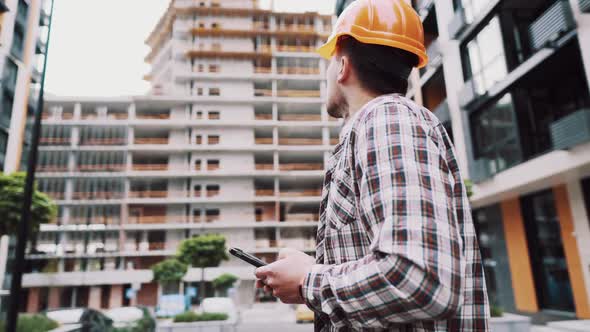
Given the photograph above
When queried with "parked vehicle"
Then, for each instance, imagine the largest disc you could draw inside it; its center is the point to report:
(80, 319)
(138, 318)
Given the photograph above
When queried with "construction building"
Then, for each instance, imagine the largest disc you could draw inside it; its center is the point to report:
(232, 139)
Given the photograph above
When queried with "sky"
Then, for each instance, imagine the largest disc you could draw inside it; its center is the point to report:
(97, 46)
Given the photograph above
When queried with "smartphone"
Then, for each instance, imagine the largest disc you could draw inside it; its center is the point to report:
(246, 257)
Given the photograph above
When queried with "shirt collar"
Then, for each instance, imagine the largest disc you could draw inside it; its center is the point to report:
(347, 127)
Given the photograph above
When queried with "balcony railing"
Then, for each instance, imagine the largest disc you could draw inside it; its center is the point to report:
(263, 117)
(296, 27)
(148, 194)
(103, 141)
(264, 167)
(299, 70)
(300, 117)
(159, 219)
(571, 130)
(262, 70)
(52, 168)
(83, 195)
(299, 93)
(101, 168)
(150, 167)
(157, 245)
(262, 92)
(151, 140)
(264, 192)
(264, 140)
(300, 141)
(302, 193)
(54, 141)
(554, 22)
(55, 195)
(155, 116)
(295, 48)
(301, 167)
(302, 217)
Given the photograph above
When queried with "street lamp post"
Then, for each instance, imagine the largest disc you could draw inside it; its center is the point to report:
(23, 226)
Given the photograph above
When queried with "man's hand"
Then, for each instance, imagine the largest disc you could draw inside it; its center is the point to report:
(284, 276)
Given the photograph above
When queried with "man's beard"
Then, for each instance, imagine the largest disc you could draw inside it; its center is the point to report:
(337, 106)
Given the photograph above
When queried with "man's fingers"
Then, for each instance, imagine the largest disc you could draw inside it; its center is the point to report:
(263, 272)
(267, 289)
(260, 283)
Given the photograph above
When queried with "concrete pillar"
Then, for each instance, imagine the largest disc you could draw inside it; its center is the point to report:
(94, 294)
(525, 296)
(116, 298)
(33, 300)
(54, 298)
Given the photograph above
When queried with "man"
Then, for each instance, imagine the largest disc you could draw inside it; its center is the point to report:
(396, 247)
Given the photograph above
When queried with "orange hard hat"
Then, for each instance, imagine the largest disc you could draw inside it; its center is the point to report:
(391, 23)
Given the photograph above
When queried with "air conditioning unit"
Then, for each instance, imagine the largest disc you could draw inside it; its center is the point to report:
(585, 6)
(551, 25)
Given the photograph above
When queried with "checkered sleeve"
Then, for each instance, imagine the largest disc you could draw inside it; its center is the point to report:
(404, 199)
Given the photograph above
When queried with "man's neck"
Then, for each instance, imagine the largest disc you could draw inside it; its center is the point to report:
(356, 101)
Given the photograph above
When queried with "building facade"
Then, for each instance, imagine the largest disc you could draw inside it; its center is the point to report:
(509, 80)
(23, 40)
(232, 139)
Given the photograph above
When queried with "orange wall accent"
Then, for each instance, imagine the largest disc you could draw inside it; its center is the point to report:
(523, 284)
(33, 300)
(572, 255)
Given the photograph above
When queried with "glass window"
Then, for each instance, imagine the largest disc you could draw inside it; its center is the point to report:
(494, 132)
(551, 275)
(484, 57)
(471, 8)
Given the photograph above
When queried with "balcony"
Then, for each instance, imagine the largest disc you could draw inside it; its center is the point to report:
(151, 141)
(571, 130)
(263, 117)
(262, 70)
(153, 116)
(300, 117)
(264, 192)
(264, 167)
(295, 48)
(103, 141)
(585, 6)
(101, 168)
(86, 195)
(296, 27)
(298, 70)
(150, 167)
(301, 167)
(54, 141)
(262, 92)
(302, 193)
(57, 196)
(263, 141)
(309, 217)
(300, 141)
(52, 168)
(156, 246)
(299, 93)
(148, 194)
(550, 26)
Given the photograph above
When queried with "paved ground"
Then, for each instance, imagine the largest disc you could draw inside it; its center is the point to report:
(274, 327)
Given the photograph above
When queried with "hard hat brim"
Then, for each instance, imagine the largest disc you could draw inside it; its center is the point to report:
(327, 50)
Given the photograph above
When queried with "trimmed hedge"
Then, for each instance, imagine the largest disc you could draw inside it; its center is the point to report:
(189, 316)
(32, 323)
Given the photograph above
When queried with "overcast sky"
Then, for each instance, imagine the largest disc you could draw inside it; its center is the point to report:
(97, 46)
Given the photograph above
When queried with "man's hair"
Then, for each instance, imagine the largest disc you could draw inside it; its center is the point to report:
(380, 69)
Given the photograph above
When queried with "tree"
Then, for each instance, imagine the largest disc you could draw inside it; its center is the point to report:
(43, 209)
(169, 271)
(203, 251)
(223, 282)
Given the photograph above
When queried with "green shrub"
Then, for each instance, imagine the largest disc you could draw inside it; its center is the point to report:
(496, 311)
(189, 316)
(32, 323)
(145, 324)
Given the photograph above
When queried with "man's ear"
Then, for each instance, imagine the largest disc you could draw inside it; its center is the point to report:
(344, 69)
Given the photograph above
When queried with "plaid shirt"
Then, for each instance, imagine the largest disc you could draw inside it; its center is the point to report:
(396, 247)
